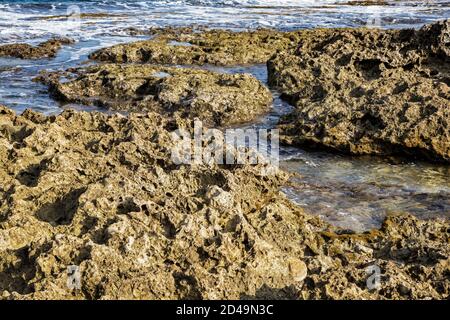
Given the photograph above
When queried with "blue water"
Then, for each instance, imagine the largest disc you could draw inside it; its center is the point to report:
(350, 192)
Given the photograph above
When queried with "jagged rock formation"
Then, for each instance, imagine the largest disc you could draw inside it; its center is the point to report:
(185, 46)
(101, 193)
(365, 91)
(215, 98)
(47, 49)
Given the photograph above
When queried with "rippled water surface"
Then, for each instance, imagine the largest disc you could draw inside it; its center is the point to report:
(352, 192)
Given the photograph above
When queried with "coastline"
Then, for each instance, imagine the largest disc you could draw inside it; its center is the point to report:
(100, 192)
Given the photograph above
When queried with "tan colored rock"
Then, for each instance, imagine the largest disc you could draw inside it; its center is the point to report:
(100, 192)
(187, 46)
(215, 98)
(298, 269)
(389, 97)
(47, 49)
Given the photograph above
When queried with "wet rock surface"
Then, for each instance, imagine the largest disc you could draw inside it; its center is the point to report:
(215, 98)
(365, 91)
(47, 49)
(100, 192)
(193, 47)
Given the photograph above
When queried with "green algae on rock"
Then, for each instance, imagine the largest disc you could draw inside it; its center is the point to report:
(101, 193)
(389, 97)
(186, 46)
(47, 49)
(215, 98)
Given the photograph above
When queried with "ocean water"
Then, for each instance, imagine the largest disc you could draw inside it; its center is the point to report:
(351, 192)
(22, 19)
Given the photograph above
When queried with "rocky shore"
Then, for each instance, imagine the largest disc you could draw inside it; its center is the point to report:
(101, 192)
(215, 98)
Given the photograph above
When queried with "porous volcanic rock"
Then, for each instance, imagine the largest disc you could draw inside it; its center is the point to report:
(367, 91)
(84, 15)
(187, 46)
(100, 193)
(47, 49)
(215, 98)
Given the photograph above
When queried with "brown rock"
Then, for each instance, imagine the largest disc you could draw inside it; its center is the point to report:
(186, 46)
(100, 192)
(215, 98)
(47, 49)
(391, 97)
